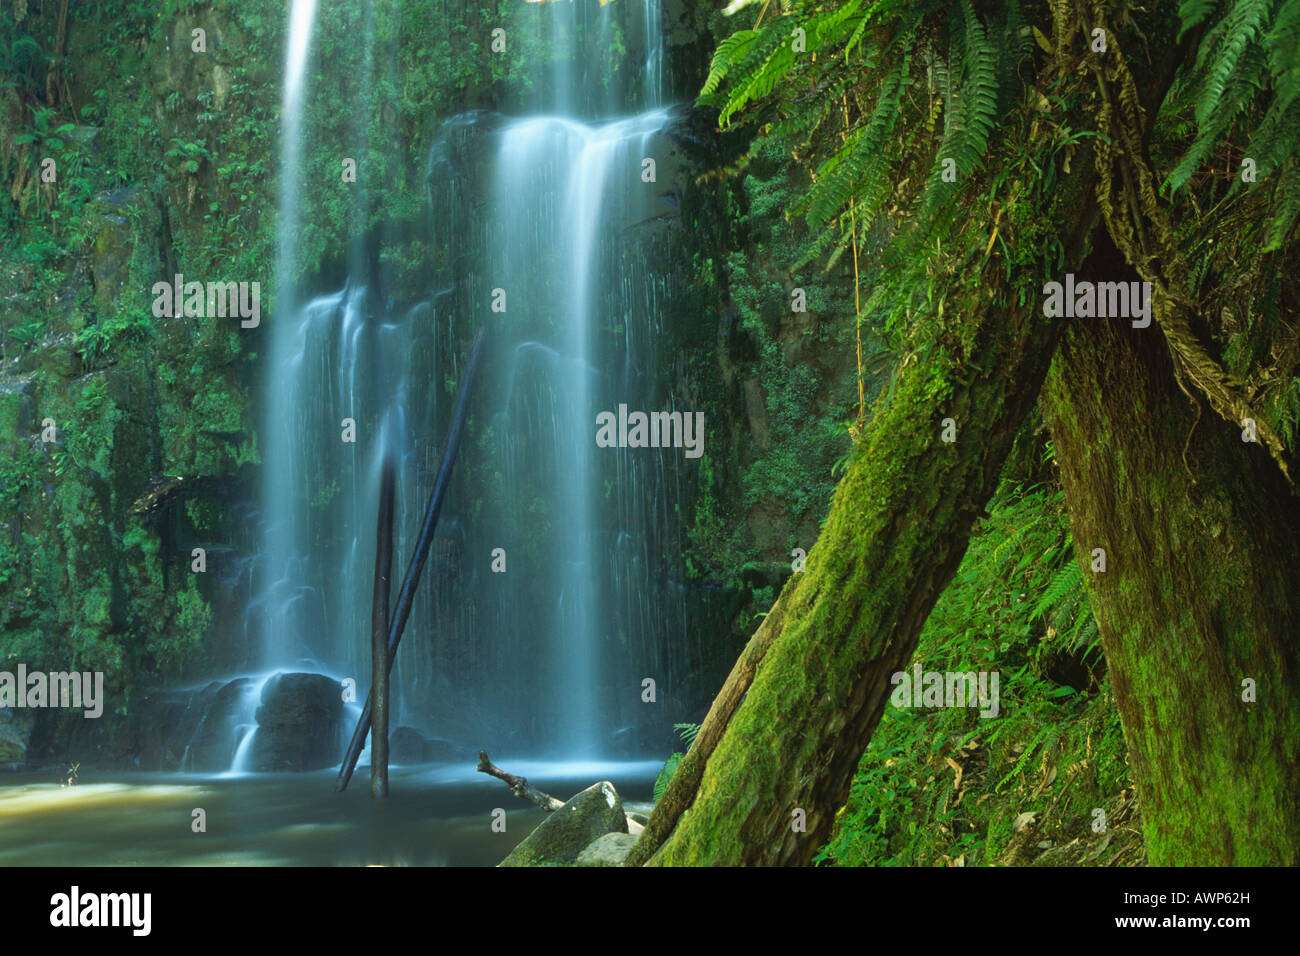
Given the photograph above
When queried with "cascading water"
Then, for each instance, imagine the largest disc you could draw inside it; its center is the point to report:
(280, 588)
(548, 656)
(594, 171)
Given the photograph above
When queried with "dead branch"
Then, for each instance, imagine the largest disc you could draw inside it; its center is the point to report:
(519, 786)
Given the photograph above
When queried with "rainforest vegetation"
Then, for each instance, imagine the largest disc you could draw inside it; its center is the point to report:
(911, 461)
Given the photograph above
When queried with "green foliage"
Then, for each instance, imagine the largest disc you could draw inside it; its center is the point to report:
(816, 98)
(1052, 749)
(974, 82)
(1245, 85)
(176, 647)
(799, 369)
(113, 336)
(665, 775)
(858, 171)
(189, 154)
(687, 732)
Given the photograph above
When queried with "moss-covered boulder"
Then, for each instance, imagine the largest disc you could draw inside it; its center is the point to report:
(609, 850)
(564, 834)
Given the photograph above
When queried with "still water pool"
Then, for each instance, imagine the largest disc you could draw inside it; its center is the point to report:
(436, 815)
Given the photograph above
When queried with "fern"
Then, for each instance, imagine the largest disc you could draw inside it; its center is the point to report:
(687, 732)
(971, 99)
(1285, 210)
(1247, 79)
(1193, 12)
(730, 51)
(666, 775)
(859, 169)
(1224, 48)
(1068, 580)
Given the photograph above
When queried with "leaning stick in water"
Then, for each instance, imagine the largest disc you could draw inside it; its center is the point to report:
(407, 595)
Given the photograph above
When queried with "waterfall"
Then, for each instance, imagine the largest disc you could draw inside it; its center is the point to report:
(595, 174)
(279, 582)
(548, 656)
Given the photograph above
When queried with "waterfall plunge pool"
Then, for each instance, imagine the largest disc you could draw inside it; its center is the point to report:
(436, 815)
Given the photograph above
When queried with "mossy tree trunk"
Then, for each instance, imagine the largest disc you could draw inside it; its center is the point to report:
(898, 527)
(1201, 591)
(818, 671)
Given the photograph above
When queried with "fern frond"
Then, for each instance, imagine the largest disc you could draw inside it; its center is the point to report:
(972, 102)
(1230, 40)
(860, 167)
(1193, 12)
(1068, 580)
(730, 51)
(687, 732)
(1285, 210)
(1247, 73)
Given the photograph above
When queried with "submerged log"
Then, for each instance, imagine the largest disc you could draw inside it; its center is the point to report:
(519, 786)
(406, 596)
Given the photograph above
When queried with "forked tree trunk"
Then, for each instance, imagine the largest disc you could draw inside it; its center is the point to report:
(898, 527)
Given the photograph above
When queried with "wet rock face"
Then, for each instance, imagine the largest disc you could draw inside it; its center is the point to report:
(122, 219)
(192, 730)
(299, 724)
(15, 735)
(211, 746)
(406, 745)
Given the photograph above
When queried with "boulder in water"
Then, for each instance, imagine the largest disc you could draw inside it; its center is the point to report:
(299, 724)
(566, 832)
(437, 750)
(406, 745)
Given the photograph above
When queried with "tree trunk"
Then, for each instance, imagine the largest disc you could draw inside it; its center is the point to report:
(897, 529)
(379, 662)
(901, 518)
(1201, 591)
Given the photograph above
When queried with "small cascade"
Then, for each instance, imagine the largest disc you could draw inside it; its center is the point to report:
(246, 725)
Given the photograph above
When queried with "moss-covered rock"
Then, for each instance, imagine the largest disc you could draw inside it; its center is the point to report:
(565, 833)
(608, 850)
